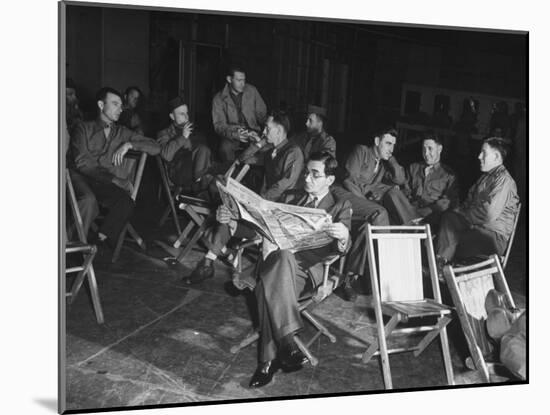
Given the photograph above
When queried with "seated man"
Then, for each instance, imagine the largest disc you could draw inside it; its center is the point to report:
(187, 156)
(283, 167)
(130, 117)
(98, 148)
(282, 276)
(372, 171)
(483, 224)
(430, 189)
(315, 139)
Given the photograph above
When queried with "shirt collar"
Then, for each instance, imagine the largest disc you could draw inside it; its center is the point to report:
(319, 197)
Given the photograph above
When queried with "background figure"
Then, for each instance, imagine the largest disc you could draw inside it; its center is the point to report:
(130, 117)
(184, 150)
(237, 110)
(73, 113)
(86, 201)
(315, 138)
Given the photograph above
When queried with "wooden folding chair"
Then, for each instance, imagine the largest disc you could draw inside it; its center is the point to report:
(395, 264)
(135, 164)
(197, 211)
(86, 270)
(331, 280)
(469, 286)
(504, 259)
(171, 191)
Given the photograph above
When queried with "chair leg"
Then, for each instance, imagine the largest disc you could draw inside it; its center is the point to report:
(447, 356)
(428, 338)
(80, 277)
(133, 233)
(383, 332)
(118, 245)
(251, 338)
(319, 326)
(184, 234)
(94, 292)
(312, 359)
(165, 216)
(196, 236)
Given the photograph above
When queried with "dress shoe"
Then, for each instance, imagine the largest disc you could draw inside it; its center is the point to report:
(264, 374)
(292, 358)
(347, 291)
(202, 271)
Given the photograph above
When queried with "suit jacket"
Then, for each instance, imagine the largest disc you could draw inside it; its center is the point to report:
(340, 210)
(225, 115)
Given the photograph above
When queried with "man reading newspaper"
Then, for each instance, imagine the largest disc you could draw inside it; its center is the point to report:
(282, 275)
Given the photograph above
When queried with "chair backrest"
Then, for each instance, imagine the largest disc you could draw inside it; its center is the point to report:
(469, 286)
(395, 262)
(511, 240)
(134, 164)
(74, 208)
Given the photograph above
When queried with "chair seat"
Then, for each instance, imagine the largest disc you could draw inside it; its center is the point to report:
(417, 308)
(76, 246)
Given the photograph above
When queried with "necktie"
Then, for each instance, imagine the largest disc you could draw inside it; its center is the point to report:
(376, 165)
(274, 153)
(312, 203)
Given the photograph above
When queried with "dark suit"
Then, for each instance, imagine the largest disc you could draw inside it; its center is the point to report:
(282, 277)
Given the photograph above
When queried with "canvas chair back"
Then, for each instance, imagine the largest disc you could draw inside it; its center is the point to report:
(397, 259)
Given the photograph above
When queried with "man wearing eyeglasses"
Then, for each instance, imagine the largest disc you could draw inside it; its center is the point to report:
(283, 275)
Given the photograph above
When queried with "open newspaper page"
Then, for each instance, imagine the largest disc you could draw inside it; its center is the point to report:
(242, 203)
(289, 227)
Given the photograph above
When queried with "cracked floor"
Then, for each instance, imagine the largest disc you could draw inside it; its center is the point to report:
(165, 343)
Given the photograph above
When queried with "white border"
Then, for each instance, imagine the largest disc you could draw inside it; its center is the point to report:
(29, 177)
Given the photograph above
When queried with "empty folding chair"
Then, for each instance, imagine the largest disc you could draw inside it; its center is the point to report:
(395, 265)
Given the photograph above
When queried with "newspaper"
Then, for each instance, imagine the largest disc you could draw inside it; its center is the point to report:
(295, 228)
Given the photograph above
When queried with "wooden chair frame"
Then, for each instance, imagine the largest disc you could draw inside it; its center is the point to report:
(86, 270)
(414, 307)
(482, 276)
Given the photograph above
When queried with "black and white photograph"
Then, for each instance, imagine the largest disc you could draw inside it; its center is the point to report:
(194, 140)
(254, 206)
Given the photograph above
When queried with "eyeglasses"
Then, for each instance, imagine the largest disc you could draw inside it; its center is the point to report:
(313, 175)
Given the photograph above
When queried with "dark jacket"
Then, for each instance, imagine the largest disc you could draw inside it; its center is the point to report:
(283, 171)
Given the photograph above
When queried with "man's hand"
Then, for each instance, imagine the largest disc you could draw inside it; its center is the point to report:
(243, 135)
(187, 129)
(337, 231)
(118, 156)
(223, 215)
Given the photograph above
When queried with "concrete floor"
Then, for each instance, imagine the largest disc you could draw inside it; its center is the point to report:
(164, 343)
